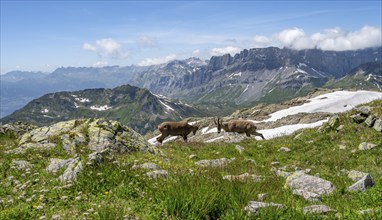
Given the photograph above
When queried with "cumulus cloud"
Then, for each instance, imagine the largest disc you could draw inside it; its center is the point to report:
(330, 39)
(262, 41)
(106, 47)
(221, 51)
(155, 61)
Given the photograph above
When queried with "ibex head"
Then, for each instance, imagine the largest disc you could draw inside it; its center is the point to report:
(218, 123)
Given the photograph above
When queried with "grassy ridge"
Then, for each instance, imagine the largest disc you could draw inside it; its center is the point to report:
(113, 190)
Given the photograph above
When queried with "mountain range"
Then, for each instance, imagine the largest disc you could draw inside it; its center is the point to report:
(218, 86)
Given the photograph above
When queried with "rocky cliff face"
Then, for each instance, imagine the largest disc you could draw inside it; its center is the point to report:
(253, 74)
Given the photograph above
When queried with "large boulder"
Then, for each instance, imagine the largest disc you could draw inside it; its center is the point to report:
(362, 184)
(310, 187)
(378, 125)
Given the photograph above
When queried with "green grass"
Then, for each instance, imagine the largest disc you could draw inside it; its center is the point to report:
(113, 190)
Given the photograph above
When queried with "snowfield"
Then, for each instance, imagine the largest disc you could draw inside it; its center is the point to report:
(336, 102)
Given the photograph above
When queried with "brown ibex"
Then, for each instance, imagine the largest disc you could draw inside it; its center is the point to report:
(239, 126)
(176, 129)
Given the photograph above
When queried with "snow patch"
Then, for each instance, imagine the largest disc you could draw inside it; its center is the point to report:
(234, 75)
(246, 88)
(82, 99)
(302, 71)
(302, 64)
(204, 130)
(214, 139)
(167, 106)
(287, 129)
(45, 111)
(368, 78)
(47, 116)
(336, 102)
(100, 108)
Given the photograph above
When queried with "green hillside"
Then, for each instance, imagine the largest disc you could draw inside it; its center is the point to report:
(115, 190)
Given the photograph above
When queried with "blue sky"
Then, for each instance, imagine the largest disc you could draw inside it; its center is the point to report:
(43, 35)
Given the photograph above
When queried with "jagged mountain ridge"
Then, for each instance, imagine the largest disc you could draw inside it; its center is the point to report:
(365, 76)
(251, 74)
(135, 107)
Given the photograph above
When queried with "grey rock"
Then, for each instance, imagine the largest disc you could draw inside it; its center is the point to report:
(254, 206)
(356, 175)
(334, 121)
(358, 118)
(21, 164)
(146, 166)
(284, 149)
(55, 164)
(378, 125)
(370, 120)
(56, 217)
(157, 174)
(362, 184)
(102, 134)
(339, 128)
(366, 146)
(318, 209)
(243, 177)
(251, 161)
(214, 163)
(364, 110)
(310, 187)
(280, 172)
(97, 158)
(262, 196)
(366, 211)
(17, 128)
(192, 156)
(71, 172)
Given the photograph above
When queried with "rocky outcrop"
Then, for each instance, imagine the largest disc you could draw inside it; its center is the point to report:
(100, 137)
(78, 135)
(365, 114)
(17, 128)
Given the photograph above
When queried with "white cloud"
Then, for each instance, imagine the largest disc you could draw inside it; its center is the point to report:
(155, 61)
(261, 41)
(221, 51)
(106, 47)
(330, 39)
(196, 52)
(147, 41)
(89, 47)
(367, 36)
(100, 64)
